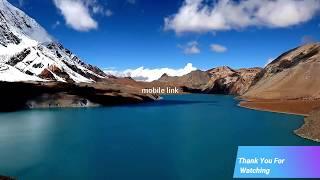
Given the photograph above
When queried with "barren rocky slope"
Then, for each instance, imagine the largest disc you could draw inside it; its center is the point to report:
(291, 84)
(220, 80)
(194, 81)
(225, 80)
(293, 75)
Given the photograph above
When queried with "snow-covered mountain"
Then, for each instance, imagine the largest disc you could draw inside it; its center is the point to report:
(29, 53)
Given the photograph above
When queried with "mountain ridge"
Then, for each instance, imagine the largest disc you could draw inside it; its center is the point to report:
(219, 80)
(27, 51)
(293, 75)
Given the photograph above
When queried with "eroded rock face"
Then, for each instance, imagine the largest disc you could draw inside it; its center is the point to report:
(221, 72)
(220, 80)
(293, 75)
(47, 75)
(194, 80)
(61, 73)
(225, 80)
(291, 58)
(247, 78)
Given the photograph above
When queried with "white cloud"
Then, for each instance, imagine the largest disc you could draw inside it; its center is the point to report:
(198, 16)
(99, 9)
(269, 61)
(190, 48)
(145, 74)
(218, 48)
(77, 14)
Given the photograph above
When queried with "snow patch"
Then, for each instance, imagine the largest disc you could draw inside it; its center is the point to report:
(11, 74)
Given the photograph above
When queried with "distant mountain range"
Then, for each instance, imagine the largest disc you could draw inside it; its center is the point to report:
(220, 80)
(293, 75)
(29, 53)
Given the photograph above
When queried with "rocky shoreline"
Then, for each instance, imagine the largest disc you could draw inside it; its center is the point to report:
(29, 95)
(311, 126)
(290, 84)
(310, 109)
(295, 107)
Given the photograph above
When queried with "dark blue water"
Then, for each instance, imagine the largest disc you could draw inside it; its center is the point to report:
(188, 137)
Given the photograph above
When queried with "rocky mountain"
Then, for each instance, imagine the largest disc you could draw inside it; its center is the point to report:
(48, 74)
(291, 84)
(29, 53)
(194, 80)
(220, 80)
(293, 75)
(225, 80)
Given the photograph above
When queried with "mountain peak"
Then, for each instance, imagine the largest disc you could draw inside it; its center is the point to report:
(164, 75)
(221, 71)
(28, 51)
(20, 24)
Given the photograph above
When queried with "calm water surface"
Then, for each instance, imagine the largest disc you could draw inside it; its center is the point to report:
(188, 137)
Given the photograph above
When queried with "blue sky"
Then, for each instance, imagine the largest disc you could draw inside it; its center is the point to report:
(133, 33)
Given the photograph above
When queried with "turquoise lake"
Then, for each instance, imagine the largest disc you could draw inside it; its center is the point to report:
(186, 137)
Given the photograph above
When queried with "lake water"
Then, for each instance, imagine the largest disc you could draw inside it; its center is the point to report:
(187, 137)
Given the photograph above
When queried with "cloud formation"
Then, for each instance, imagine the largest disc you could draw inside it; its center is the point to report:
(98, 8)
(190, 48)
(145, 74)
(218, 48)
(76, 14)
(199, 16)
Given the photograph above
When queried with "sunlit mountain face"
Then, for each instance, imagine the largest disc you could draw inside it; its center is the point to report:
(28, 52)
